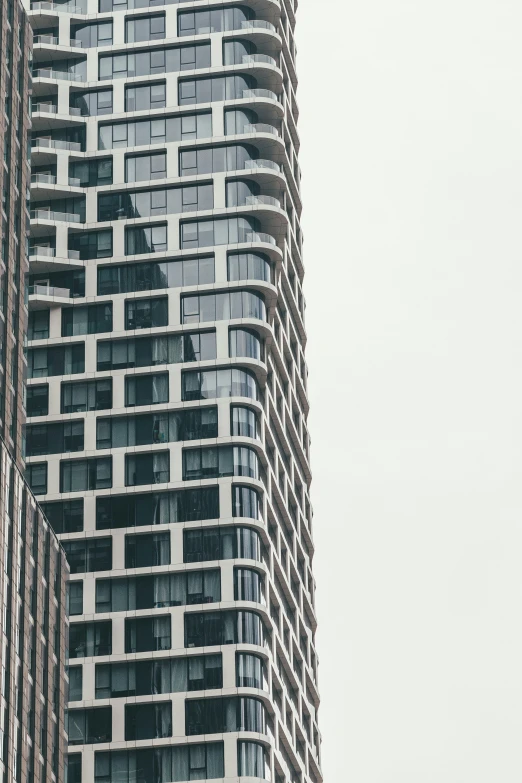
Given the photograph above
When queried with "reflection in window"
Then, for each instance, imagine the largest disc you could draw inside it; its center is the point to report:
(204, 629)
(90, 725)
(221, 543)
(163, 675)
(232, 713)
(253, 760)
(157, 508)
(160, 349)
(219, 461)
(249, 586)
(251, 672)
(244, 343)
(88, 639)
(146, 634)
(147, 468)
(148, 721)
(158, 590)
(146, 313)
(78, 475)
(148, 428)
(248, 266)
(173, 763)
(210, 384)
(146, 389)
(151, 275)
(243, 422)
(222, 306)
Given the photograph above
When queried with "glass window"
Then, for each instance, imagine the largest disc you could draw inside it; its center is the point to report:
(219, 461)
(73, 768)
(90, 725)
(148, 428)
(90, 639)
(148, 721)
(91, 244)
(86, 395)
(157, 508)
(56, 360)
(253, 760)
(75, 683)
(233, 713)
(38, 326)
(221, 543)
(248, 586)
(151, 351)
(251, 672)
(84, 474)
(245, 502)
(147, 550)
(146, 389)
(187, 762)
(146, 634)
(65, 516)
(146, 313)
(94, 554)
(54, 438)
(205, 629)
(150, 203)
(142, 63)
(209, 384)
(92, 102)
(149, 468)
(38, 400)
(158, 590)
(151, 275)
(37, 477)
(143, 97)
(145, 28)
(243, 422)
(87, 319)
(145, 167)
(75, 598)
(145, 239)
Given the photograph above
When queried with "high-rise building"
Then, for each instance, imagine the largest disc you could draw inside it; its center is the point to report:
(33, 568)
(168, 440)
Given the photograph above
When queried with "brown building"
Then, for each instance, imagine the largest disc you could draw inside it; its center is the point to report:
(33, 636)
(15, 85)
(33, 568)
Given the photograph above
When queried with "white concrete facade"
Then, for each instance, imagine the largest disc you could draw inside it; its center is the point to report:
(252, 474)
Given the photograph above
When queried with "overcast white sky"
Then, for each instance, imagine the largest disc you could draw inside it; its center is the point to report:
(411, 127)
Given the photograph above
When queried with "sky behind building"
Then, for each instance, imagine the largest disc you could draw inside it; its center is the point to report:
(411, 125)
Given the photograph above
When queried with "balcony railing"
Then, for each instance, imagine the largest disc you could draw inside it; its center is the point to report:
(44, 179)
(46, 39)
(260, 127)
(49, 290)
(52, 73)
(75, 42)
(260, 24)
(74, 111)
(45, 5)
(46, 108)
(40, 250)
(75, 182)
(259, 236)
(262, 163)
(250, 59)
(49, 214)
(253, 201)
(260, 93)
(74, 255)
(58, 144)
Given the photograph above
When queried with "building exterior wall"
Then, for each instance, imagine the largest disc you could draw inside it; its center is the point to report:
(33, 633)
(15, 82)
(217, 440)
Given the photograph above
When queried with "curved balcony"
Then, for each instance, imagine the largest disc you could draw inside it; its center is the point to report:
(257, 92)
(261, 127)
(254, 201)
(251, 59)
(263, 163)
(258, 24)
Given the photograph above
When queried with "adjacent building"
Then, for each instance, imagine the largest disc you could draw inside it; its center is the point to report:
(167, 438)
(33, 568)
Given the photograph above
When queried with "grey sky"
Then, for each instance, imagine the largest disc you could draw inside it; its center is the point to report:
(411, 126)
